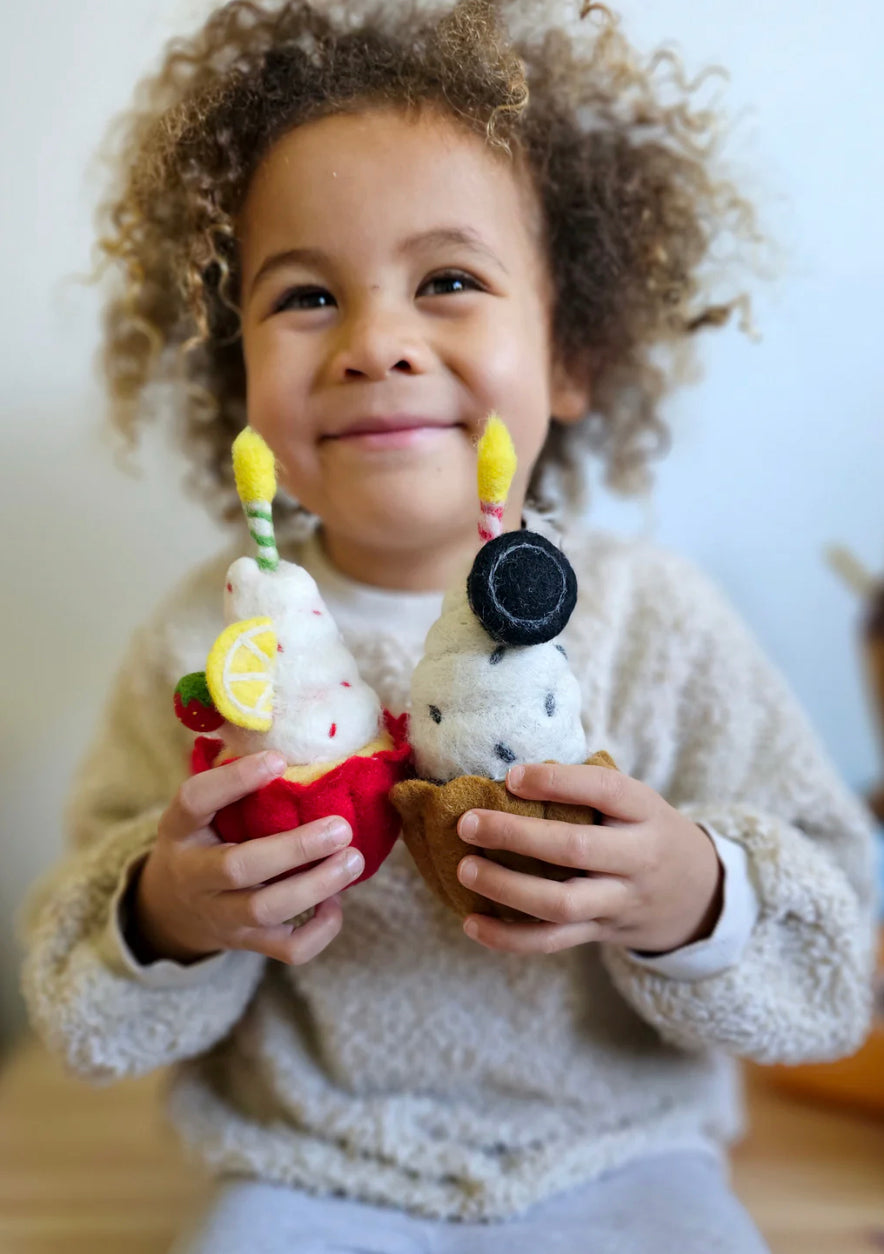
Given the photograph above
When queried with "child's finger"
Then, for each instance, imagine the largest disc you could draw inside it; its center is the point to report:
(273, 904)
(255, 862)
(201, 796)
(578, 900)
(530, 938)
(295, 946)
(617, 795)
(585, 847)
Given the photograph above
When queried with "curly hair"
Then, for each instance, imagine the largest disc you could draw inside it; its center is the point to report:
(619, 154)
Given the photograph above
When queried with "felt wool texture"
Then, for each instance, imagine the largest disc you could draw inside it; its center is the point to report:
(307, 774)
(430, 813)
(522, 589)
(193, 704)
(478, 708)
(405, 1065)
(357, 789)
(239, 673)
(254, 472)
(496, 462)
(322, 708)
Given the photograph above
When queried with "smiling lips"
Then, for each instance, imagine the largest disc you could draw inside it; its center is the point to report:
(393, 425)
(397, 429)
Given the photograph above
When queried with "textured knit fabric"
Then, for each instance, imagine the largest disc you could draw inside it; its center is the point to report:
(405, 1065)
(669, 1204)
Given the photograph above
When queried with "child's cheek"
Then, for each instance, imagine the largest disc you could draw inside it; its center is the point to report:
(511, 377)
(280, 410)
(277, 372)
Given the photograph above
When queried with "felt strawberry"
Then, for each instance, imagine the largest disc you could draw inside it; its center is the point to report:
(194, 706)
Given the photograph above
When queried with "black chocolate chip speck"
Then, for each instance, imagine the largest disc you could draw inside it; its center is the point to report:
(550, 704)
(561, 649)
(505, 753)
(435, 714)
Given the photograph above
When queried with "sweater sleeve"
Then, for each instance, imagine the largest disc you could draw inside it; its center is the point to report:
(103, 1015)
(747, 764)
(723, 947)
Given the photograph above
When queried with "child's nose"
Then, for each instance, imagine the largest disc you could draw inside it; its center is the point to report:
(374, 342)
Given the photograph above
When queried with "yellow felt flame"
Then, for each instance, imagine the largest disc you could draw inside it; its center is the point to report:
(497, 462)
(253, 467)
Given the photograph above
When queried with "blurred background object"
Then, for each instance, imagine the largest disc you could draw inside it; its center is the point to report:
(870, 590)
(858, 1081)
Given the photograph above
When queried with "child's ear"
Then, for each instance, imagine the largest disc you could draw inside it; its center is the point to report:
(570, 394)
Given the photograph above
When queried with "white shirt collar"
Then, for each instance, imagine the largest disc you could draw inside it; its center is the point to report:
(361, 608)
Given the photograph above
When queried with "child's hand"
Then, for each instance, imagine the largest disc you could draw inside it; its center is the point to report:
(653, 882)
(197, 895)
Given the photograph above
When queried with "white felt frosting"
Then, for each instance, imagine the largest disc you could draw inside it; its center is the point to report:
(471, 715)
(322, 709)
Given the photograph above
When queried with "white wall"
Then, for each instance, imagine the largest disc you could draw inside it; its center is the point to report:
(89, 550)
(780, 450)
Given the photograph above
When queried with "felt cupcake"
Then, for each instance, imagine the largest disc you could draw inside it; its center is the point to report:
(279, 676)
(493, 689)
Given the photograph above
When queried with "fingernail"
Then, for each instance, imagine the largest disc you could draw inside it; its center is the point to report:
(471, 928)
(468, 827)
(274, 763)
(337, 833)
(354, 862)
(515, 776)
(468, 871)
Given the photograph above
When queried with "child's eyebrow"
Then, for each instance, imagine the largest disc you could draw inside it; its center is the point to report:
(463, 237)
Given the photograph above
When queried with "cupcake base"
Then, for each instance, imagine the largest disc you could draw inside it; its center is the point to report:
(430, 813)
(357, 789)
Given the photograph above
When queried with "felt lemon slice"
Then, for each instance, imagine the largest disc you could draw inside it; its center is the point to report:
(239, 672)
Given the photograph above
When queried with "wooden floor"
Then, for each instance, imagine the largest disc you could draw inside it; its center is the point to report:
(95, 1171)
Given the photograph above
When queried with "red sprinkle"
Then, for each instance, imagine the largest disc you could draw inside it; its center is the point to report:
(319, 612)
(332, 733)
(344, 684)
(230, 587)
(279, 648)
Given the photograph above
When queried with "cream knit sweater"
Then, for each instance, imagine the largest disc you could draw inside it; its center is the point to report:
(405, 1065)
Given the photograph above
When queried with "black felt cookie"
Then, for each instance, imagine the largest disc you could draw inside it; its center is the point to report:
(522, 588)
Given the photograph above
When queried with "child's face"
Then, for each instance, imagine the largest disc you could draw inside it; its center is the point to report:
(361, 305)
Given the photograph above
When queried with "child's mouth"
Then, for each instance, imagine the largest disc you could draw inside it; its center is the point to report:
(404, 433)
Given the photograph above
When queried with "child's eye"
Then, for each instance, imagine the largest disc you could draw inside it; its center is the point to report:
(303, 298)
(457, 277)
(452, 281)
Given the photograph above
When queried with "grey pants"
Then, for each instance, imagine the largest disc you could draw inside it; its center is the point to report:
(677, 1203)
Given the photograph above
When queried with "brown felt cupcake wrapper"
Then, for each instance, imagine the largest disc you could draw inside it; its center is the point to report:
(430, 813)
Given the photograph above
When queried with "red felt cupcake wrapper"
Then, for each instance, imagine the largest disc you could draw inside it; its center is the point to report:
(358, 790)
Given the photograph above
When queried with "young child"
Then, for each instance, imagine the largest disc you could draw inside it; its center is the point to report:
(361, 232)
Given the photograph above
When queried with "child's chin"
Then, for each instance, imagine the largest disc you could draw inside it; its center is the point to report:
(435, 482)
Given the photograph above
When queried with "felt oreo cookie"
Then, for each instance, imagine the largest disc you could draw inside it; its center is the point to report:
(522, 588)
